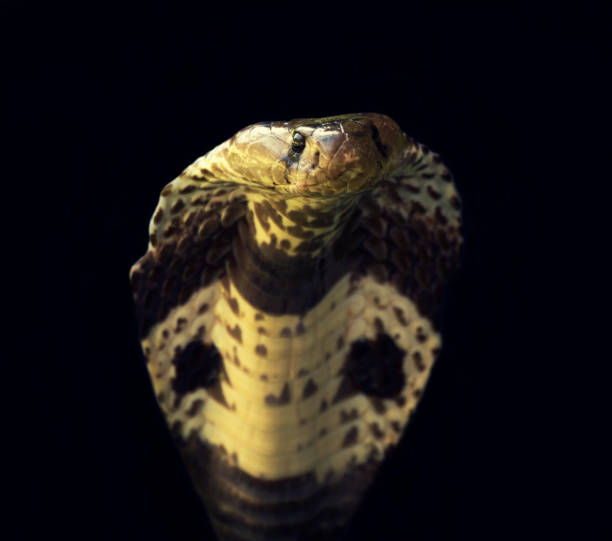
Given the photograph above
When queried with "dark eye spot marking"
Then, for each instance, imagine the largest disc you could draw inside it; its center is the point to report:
(197, 365)
(375, 366)
(379, 144)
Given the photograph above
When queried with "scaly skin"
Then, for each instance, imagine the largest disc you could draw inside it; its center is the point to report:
(288, 303)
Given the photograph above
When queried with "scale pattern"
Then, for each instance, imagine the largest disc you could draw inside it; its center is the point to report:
(285, 390)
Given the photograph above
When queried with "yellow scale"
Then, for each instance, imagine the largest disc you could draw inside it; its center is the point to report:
(278, 441)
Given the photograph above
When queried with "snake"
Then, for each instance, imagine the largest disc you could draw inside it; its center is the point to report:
(288, 307)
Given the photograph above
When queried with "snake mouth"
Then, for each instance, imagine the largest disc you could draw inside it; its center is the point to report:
(332, 155)
(338, 155)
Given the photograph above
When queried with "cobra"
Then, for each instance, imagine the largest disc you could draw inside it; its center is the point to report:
(288, 308)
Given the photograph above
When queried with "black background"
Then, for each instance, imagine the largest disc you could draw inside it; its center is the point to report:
(112, 105)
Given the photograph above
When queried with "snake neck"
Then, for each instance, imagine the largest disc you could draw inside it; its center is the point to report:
(284, 253)
(300, 227)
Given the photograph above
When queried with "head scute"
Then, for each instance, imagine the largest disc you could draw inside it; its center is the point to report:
(328, 156)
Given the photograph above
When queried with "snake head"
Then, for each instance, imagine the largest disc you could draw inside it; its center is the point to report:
(331, 155)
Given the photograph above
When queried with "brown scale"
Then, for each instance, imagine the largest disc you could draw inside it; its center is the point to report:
(274, 509)
(191, 258)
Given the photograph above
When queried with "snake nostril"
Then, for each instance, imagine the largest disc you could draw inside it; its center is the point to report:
(315, 160)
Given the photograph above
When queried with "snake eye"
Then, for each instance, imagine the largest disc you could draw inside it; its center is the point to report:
(298, 142)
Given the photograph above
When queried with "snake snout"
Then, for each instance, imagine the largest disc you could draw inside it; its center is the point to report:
(340, 154)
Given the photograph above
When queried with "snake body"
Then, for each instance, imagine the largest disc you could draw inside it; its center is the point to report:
(288, 305)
